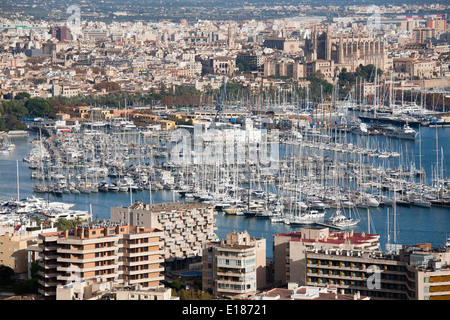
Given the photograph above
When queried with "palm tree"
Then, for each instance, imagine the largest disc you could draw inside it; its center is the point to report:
(62, 224)
(77, 221)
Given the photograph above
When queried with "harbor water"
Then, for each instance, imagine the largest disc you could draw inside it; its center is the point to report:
(412, 224)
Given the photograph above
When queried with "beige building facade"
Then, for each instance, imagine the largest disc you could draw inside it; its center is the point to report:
(347, 50)
(102, 253)
(353, 264)
(235, 267)
(290, 249)
(13, 250)
(186, 225)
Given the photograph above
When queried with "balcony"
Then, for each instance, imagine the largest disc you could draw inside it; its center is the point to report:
(81, 251)
(48, 283)
(50, 248)
(48, 266)
(143, 271)
(223, 291)
(48, 275)
(47, 293)
(146, 244)
(149, 279)
(86, 260)
(143, 262)
(78, 269)
(50, 257)
(145, 253)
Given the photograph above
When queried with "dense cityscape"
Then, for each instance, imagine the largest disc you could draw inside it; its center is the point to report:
(191, 128)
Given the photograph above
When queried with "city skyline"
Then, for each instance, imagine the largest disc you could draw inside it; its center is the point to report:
(280, 126)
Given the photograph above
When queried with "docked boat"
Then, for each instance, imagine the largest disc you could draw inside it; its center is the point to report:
(55, 214)
(339, 220)
(234, 211)
(406, 132)
(421, 203)
(265, 214)
(361, 129)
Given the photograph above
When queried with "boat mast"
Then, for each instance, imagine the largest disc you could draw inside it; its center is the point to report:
(18, 194)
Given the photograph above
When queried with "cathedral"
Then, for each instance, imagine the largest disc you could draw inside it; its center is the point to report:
(346, 50)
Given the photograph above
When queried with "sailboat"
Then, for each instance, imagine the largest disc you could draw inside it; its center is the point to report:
(420, 202)
(340, 220)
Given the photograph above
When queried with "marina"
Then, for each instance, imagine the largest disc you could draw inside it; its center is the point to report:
(318, 182)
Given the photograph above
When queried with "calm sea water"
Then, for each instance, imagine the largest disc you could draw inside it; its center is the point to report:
(413, 225)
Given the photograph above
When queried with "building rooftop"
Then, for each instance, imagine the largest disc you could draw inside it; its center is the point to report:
(333, 237)
(307, 293)
(89, 230)
(165, 206)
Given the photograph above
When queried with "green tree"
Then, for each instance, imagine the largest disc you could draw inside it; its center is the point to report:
(245, 66)
(176, 285)
(38, 107)
(107, 85)
(319, 86)
(22, 96)
(368, 72)
(6, 275)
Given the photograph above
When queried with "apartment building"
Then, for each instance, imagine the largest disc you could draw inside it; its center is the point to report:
(110, 252)
(255, 58)
(289, 249)
(186, 226)
(65, 90)
(14, 243)
(438, 24)
(61, 33)
(294, 292)
(144, 119)
(13, 249)
(92, 290)
(357, 266)
(235, 267)
(427, 272)
(226, 114)
(372, 273)
(420, 35)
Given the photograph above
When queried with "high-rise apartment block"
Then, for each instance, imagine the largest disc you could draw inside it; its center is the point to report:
(438, 24)
(421, 35)
(235, 267)
(352, 263)
(289, 249)
(110, 252)
(186, 227)
(61, 33)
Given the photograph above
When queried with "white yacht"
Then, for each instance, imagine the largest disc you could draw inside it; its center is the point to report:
(339, 220)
